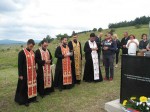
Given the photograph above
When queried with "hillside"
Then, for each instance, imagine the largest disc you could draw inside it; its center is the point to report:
(13, 49)
(7, 41)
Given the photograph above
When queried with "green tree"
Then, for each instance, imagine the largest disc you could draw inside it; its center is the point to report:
(48, 38)
(94, 29)
(60, 36)
(137, 21)
(100, 29)
(73, 33)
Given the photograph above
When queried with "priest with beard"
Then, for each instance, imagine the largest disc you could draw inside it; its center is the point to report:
(43, 59)
(92, 71)
(26, 91)
(63, 73)
(75, 47)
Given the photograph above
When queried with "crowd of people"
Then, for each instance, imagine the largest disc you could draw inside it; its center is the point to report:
(34, 68)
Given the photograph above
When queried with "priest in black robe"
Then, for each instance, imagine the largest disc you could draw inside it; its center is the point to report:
(92, 71)
(75, 47)
(43, 86)
(21, 96)
(59, 77)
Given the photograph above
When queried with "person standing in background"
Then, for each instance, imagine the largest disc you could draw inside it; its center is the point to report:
(109, 48)
(143, 43)
(124, 42)
(118, 43)
(75, 47)
(132, 45)
(99, 45)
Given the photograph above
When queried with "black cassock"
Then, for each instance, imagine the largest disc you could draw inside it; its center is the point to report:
(21, 95)
(88, 70)
(73, 62)
(58, 80)
(40, 77)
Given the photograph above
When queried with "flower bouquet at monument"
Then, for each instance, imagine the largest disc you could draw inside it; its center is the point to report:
(134, 104)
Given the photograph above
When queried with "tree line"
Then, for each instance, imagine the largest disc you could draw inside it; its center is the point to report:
(137, 21)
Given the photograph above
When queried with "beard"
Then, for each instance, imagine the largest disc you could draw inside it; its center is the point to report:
(75, 40)
(92, 40)
(64, 43)
(43, 48)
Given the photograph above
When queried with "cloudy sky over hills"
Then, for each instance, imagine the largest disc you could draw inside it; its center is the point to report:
(24, 19)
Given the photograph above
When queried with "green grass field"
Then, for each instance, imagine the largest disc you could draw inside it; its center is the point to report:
(86, 97)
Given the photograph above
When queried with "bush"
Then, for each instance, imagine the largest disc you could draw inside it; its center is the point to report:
(8, 49)
(137, 26)
(2, 50)
(17, 50)
(21, 46)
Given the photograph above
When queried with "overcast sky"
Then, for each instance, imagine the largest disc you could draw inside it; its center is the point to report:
(24, 19)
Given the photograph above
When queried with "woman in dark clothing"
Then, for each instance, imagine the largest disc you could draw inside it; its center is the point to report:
(118, 43)
(143, 42)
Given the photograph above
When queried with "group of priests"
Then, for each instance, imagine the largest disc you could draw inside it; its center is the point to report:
(34, 68)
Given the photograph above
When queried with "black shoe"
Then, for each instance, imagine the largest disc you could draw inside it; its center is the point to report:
(42, 96)
(78, 83)
(47, 93)
(26, 104)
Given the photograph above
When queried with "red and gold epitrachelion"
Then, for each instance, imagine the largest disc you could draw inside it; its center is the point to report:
(31, 73)
(66, 67)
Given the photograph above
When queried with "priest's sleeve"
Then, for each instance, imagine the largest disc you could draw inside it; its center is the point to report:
(58, 53)
(20, 63)
(80, 50)
(38, 58)
(51, 58)
(70, 46)
(87, 48)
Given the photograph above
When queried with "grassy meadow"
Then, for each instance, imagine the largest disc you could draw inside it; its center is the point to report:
(86, 97)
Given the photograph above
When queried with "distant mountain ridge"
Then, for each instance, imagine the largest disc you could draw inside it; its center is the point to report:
(7, 41)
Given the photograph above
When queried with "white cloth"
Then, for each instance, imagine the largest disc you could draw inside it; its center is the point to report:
(132, 48)
(94, 55)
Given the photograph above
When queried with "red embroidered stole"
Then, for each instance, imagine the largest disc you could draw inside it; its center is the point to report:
(66, 66)
(31, 73)
(46, 69)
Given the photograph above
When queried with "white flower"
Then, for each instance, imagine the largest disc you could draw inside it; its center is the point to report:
(148, 104)
(147, 108)
(148, 100)
(140, 103)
